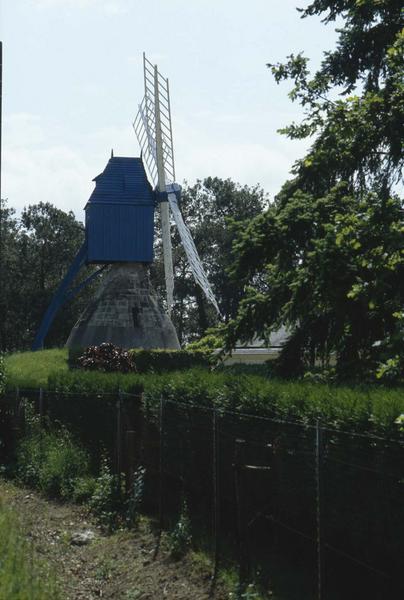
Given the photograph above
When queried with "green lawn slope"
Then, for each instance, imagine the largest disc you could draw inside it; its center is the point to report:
(32, 369)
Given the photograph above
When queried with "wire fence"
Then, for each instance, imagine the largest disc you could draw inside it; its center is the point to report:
(308, 510)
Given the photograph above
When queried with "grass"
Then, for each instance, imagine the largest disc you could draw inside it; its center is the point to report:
(20, 577)
(32, 369)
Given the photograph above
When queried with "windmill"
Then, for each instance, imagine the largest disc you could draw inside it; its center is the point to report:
(153, 130)
(119, 234)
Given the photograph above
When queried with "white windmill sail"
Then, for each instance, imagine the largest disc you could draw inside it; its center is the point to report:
(190, 250)
(153, 130)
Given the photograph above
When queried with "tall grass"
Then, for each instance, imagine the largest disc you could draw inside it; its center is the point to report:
(21, 578)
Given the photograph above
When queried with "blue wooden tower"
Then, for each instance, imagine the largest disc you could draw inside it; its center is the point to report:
(119, 229)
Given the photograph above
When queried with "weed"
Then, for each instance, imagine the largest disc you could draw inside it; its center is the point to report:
(84, 488)
(135, 498)
(106, 501)
(180, 538)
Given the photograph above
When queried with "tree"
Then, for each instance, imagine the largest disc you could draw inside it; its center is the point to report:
(37, 250)
(208, 208)
(8, 280)
(327, 258)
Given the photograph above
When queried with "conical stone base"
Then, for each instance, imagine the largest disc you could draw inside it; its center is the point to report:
(125, 312)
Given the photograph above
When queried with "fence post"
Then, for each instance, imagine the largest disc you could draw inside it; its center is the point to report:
(161, 477)
(130, 459)
(215, 486)
(40, 405)
(20, 412)
(239, 461)
(119, 436)
(319, 510)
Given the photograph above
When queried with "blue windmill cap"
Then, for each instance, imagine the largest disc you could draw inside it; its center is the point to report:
(123, 180)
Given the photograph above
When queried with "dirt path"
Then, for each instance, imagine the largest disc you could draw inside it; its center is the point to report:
(118, 566)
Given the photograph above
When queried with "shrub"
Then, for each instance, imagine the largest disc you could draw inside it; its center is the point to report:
(63, 464)
(50, 460)
(106, 357)
(84, 489)
(169, 360)
(370, 410)
(94, 383)
(106, 502)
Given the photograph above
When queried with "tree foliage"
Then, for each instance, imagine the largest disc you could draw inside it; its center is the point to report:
(36, 251)
(327, 258)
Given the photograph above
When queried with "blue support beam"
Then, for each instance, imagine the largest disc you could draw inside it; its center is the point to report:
(61, 295)
(71, 293)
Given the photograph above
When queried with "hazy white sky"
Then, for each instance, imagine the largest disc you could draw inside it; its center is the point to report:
(72, 79)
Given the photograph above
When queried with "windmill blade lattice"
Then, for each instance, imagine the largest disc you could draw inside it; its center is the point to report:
(191, 251)
(145, 123)
(153, 130)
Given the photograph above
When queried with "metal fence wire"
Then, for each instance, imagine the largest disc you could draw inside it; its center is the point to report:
(307, 510)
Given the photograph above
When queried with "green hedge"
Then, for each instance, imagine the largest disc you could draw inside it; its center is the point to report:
(170, 360)
(375, 409)
(160, 360)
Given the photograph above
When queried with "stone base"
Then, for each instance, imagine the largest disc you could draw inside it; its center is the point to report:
(125, 312)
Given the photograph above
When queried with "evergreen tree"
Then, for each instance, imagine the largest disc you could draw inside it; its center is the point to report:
(327, 258)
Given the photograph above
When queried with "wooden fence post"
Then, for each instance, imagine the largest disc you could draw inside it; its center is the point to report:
(130, 459)
(215, 490)
(20, 412)
(239, 462)
(40, 406)
(161, 477)
(119, 435)
(319, 510)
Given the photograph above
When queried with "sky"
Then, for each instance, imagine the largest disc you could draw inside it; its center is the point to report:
(72, 80)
